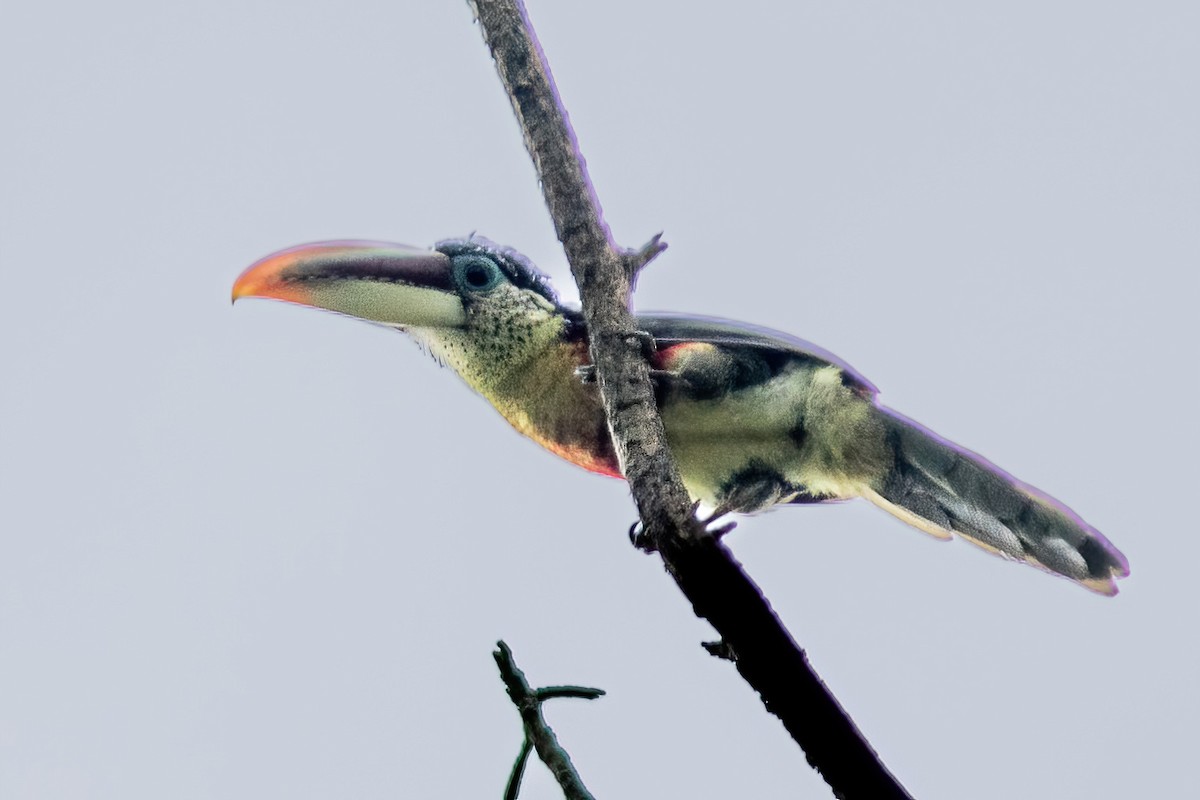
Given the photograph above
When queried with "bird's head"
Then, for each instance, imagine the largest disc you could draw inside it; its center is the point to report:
(476, 305)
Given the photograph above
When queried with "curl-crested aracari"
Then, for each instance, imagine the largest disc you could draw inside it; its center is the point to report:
(753, 417)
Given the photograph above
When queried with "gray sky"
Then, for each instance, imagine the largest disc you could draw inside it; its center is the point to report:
(265, 552)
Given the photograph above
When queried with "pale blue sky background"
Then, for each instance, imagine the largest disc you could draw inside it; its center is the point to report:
(263, 552)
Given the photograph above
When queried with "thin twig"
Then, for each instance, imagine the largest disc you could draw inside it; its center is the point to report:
(537, 732)
(703, 568)
(578, 692)
(513, 787)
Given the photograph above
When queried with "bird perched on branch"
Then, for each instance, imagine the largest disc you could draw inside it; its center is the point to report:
(754, 418)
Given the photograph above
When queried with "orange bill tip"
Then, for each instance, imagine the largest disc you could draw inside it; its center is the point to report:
(265, 277)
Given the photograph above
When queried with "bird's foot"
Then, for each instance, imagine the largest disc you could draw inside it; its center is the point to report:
(665, 379)
(642, 540)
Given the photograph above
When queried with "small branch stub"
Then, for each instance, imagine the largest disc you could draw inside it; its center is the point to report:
(720, 649)
(637, 260)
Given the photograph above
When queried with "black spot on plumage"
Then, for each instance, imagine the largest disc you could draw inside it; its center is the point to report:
(798, 433)
(803, 497)
(753, 487)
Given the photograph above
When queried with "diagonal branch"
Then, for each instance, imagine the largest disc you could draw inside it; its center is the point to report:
(703, 568)
(603, 271)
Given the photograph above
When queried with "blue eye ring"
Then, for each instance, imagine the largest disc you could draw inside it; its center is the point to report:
(476, 273)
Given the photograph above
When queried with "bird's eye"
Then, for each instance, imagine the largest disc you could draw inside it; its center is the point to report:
(476, 273)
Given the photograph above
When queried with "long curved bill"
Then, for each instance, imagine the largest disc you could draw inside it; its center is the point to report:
(390, 284)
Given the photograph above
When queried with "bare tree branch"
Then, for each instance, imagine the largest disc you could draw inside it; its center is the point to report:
(602, 270)
(513, 788)
(537, 733)
(703, 568)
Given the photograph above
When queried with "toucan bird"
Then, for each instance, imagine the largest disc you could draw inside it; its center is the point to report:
(754, 417)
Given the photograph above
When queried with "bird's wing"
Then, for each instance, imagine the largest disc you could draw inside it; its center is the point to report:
(670, 329)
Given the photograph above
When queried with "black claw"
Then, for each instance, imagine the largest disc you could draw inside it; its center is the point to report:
(648, 343)
(586, 373)
(708, 522)
(640, 539)
(721, 530)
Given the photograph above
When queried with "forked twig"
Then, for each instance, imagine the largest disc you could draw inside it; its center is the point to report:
(538, 735)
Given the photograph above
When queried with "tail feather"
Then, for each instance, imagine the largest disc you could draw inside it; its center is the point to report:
(943, 489)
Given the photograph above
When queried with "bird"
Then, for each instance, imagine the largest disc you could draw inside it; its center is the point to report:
(755, 418)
